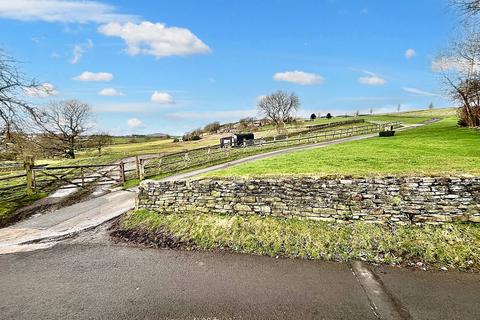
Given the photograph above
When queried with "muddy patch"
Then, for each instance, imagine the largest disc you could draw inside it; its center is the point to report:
(152, 239)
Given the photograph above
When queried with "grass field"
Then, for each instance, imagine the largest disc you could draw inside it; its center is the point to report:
(436, 149)
(451, 246)
(122, 148)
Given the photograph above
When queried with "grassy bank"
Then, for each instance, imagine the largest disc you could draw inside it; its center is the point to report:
(452, 246)
(439, 148)
(8, 207)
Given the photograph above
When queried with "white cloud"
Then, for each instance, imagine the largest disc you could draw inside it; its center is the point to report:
(454, 64)
(443, 64)
(299, 77)
(38, 40)
(134, 123)
(44, 90)
(92, 76)
(371, 79)
(69, 11)
(410, 53)
(55, 55)
(421, 92)
(79, 49)
(162, 98)
(110, 92)
(155, 39)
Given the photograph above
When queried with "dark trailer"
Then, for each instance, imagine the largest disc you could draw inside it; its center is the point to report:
(237, 140)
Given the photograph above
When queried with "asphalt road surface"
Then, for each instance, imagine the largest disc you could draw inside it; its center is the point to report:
(98, 281)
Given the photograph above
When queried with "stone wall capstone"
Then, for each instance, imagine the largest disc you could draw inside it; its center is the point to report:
(394, 200)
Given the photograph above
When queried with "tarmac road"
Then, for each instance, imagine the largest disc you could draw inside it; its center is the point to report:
(110, 282)
(98, 281)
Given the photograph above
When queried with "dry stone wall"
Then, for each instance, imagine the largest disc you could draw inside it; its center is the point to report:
(393, 200)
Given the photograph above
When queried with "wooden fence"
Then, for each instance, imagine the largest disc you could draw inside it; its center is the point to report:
(179, 161)
(32, 178)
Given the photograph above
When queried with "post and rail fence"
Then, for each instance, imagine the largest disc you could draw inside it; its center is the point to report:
(33, 178)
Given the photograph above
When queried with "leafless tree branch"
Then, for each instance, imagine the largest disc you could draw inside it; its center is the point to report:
(279, 107)
(62, 126)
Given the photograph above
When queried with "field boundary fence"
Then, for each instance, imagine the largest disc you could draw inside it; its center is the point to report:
(30, 178)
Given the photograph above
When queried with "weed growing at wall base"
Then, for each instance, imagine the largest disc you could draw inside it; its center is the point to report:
(451, 246)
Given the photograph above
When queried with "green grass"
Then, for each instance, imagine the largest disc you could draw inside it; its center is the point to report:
(8, 207)
(440, 148)
(453, 245)
(123, 140)
(131, 183)
(431, 113)
(400, 118)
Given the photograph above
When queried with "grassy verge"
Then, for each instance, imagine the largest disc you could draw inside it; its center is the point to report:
(8, 207)
(436, 149)
(451, 246)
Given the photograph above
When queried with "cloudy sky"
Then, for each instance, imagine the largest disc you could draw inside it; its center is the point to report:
(173, 65)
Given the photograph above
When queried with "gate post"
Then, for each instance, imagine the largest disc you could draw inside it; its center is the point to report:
(82, 176)
(137, 163)
(29, 163)
(141, 172)
(121, 169)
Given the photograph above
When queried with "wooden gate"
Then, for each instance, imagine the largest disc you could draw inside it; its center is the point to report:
(80, 176)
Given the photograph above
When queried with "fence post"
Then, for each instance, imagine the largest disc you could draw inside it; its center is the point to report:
(29, 163)
(82, 176)
(34, 180)
(121, 169)
(141, 172)
(137, 165)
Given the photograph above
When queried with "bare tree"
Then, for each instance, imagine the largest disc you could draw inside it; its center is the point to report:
(14, 109)
(279, 107)
(62, 126)
(99, 141)
(460, 68)
(468, 7)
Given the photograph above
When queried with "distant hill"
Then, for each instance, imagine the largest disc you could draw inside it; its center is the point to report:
(158, 135)
(435, 112)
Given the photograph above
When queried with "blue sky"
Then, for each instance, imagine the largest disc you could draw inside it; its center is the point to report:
(174, 65)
